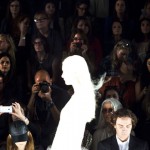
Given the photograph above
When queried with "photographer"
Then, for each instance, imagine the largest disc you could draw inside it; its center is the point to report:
(79, 46)
(44, 107)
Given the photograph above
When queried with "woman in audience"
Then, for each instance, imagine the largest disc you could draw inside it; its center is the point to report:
(146, 10)
(9, 23)
(6, 67)
(79, 46)
(104, 128)
(112, 62)
(142, 40)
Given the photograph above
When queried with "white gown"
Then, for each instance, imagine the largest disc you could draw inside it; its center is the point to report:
(73, 119)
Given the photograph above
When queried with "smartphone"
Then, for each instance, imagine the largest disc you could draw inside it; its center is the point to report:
(6, 109)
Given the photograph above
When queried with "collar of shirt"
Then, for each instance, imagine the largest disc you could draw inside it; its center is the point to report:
(123, 145)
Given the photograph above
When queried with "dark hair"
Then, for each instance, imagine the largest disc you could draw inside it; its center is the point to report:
(82, 34)
(124, 113)
(43, 13)
(10, 59)
(43, 41)
(145, 74)
(18, 131)
(87, 22)
(139, 35)
(109, 88)
(8, 14)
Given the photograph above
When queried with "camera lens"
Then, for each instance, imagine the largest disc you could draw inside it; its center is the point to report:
(44, 87)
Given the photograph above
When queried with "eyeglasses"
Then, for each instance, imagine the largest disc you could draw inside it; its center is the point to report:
(40, 20)
(105, 110)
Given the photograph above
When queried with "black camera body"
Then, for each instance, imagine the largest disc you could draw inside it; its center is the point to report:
(44, 86)
(78, 44)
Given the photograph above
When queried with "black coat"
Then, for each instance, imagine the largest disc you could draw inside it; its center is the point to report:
(111, 144)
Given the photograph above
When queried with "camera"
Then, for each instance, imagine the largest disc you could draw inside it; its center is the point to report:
(44, 87)
(78, 44)
(6, 109)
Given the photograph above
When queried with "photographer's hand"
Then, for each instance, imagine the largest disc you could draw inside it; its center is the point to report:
(35, 88)
(73, 48)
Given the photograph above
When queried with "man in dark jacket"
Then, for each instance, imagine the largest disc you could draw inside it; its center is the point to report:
(123, 121)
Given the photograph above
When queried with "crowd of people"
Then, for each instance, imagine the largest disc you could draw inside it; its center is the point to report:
(36, 36)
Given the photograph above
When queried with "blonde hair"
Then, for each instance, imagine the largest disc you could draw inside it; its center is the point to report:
(11, 48)
(29, 145)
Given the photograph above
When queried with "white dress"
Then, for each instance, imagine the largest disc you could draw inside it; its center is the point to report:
(71, 127)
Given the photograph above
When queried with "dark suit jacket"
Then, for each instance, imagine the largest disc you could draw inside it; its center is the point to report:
(111, 144)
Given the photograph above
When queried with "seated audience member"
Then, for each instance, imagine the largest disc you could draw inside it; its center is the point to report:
(79, 46)
(51, 36)
(123, 121)
(19, 138)
(44, 108)
(112, 63)
(9, 23)
(104, 128)
(111, 92)
(7, 68)
(141, 41)
(145, 10)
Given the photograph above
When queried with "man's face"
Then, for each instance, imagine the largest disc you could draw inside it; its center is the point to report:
(41, 22)
(123, 128)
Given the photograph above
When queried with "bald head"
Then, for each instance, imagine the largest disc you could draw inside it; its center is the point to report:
(42, 75)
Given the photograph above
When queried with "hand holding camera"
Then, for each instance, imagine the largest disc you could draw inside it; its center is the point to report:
(43, 89)
(17, 111)
(75, 47)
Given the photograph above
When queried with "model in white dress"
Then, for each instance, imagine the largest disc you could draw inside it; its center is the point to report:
(80, 109)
